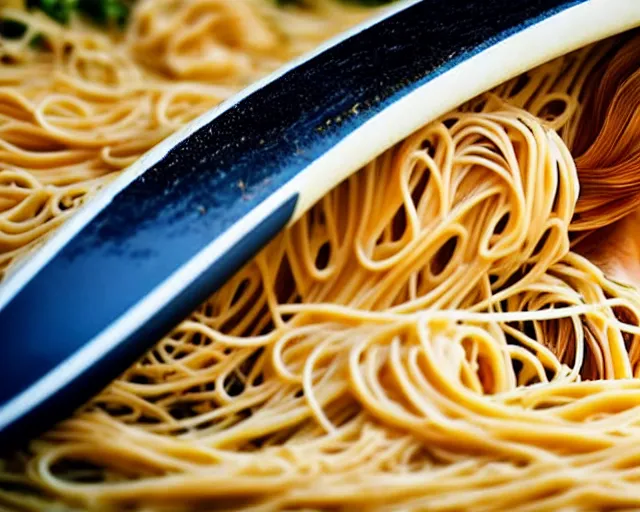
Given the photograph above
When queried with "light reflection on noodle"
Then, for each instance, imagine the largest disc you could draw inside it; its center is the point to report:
(424, 338)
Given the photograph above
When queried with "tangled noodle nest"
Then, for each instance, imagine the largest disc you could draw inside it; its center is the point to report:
(436, 333)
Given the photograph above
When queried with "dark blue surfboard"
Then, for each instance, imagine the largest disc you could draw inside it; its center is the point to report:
(181, 221)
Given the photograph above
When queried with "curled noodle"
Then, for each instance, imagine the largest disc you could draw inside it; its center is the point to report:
(87, 106)
(431, 335)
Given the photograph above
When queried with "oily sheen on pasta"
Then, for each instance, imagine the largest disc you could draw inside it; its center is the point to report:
(448, 329)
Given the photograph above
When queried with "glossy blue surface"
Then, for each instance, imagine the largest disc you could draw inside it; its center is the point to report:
(210, 181)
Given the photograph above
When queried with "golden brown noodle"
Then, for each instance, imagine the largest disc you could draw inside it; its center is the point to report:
(610, 186)
(608, 159)
(420, 339)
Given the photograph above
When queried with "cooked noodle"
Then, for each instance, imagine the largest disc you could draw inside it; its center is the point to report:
(424, 338)
(75, 115)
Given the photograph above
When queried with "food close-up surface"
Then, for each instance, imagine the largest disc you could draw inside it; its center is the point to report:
(454, 326)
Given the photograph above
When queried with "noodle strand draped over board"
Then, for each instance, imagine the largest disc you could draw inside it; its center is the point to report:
(432, 335)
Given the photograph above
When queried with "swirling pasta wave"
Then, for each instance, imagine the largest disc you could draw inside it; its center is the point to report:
(431, 335)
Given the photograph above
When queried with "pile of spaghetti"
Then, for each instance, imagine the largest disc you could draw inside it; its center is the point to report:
(453, 327)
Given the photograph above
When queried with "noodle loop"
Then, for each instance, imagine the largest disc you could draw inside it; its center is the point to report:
(434, 334)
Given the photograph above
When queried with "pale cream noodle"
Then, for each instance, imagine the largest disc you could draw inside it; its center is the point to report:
(424, 338)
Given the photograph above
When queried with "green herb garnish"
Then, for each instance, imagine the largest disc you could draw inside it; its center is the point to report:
(106, 12)
(59, 10)
(103, 12)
